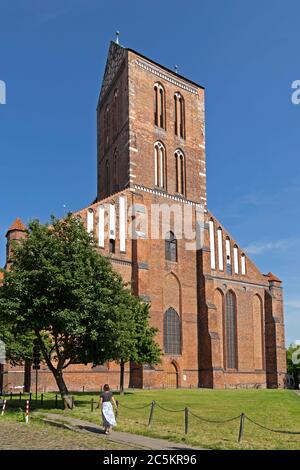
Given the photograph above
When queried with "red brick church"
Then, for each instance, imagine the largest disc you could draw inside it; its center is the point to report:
(220, 320)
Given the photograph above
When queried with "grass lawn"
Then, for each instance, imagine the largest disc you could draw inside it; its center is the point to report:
(15, 434)
(277, 409)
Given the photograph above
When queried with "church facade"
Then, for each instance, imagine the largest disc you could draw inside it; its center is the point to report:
(220, 320)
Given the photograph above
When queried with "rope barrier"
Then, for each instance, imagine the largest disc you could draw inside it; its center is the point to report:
(212, 420)
(281, 431)
(135, 408)
(168, 410)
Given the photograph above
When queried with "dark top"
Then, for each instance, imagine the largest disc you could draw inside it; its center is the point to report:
(106, 396)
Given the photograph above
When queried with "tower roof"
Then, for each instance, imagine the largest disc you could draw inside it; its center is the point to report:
(17, 225)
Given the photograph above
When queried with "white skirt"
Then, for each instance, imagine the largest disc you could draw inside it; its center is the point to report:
(108, 415)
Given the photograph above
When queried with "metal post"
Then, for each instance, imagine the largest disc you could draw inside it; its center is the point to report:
(30, 396)
(73, 402)
(151, 413)
(83, 389)
(20, 399)
(241, 431)
(186, 420)
(42, 398)
(55, 401)
(11, 395)
(92, 404)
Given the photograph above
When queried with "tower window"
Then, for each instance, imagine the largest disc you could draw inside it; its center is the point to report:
(159, 165)
(171, 247)
(180, 172)
(116, 112)
(179, 118)
(159, 106)
(107, 177)
(116, 171)
(172, 332)
(230, 331)
(106, 125)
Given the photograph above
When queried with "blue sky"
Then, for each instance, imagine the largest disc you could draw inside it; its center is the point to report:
(52, 56)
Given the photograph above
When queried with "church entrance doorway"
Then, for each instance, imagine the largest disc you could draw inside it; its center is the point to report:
(172, 375)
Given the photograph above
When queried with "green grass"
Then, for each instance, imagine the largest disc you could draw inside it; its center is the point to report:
(15, 434)
(277, 409)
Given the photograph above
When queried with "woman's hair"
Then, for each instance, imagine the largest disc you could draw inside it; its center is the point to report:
(106, 387)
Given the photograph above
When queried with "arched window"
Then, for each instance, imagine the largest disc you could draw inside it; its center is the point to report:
(171, 247)
(116, 112)
(179, 111)
(159, 165)
(230, 331)
(180, 171)
(106, 125)
(172, 332)
(116, 171)
(107, 177)
(159, 106)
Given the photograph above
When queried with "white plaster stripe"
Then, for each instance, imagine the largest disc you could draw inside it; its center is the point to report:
(101, 215)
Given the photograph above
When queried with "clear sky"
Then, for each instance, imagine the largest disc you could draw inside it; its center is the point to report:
(245, 53)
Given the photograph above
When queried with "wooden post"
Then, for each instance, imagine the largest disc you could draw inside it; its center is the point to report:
(117, 410)
(241, 431)
(151, 413)
(73, 402)
(186, 420)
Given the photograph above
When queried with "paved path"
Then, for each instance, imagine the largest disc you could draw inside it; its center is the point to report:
(133, 441)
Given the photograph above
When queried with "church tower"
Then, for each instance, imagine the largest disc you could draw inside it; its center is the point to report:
(150, 128)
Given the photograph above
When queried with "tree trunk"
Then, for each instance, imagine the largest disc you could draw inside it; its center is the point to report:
(27, 376)
(66, 398)
(122, 370)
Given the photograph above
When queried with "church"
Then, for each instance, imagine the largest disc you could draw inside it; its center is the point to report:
(220, 320)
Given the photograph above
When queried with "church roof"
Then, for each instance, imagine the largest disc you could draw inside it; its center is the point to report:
(272, 277)
(17, 225)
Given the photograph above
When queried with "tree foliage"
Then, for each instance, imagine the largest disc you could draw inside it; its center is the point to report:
(65, 293)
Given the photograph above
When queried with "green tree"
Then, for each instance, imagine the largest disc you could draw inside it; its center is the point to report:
(293, 362)
(135, 339)
(67, 294)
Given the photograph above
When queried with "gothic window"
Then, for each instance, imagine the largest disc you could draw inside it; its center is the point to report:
(112, 245)
(116, 111)
(171, 247)
(106, 124)
(159, 165)
(230, 331)
(116, 171)
(172, 332)
(179, 111)
(107, 177)
(180, 172)
(159, 106)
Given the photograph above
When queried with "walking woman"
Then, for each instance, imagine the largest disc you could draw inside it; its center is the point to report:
(106, 401)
